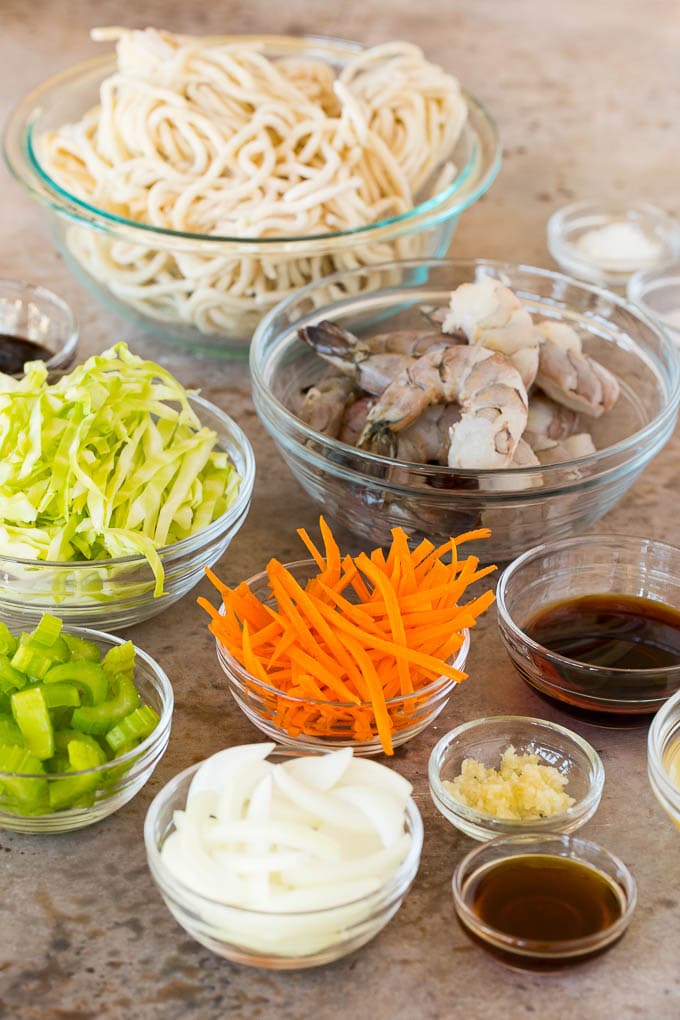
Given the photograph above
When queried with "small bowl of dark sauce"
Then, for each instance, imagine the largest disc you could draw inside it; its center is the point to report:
(35, 325)
(543, 902)
(594, 623)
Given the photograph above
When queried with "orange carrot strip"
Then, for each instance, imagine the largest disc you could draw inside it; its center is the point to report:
(333, 559)
(209, 608)
(333, 682)
(250, 660)
(389, 595)
(312, 549)
(377, 697)
(214, 580)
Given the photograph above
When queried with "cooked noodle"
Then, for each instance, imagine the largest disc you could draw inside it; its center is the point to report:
(218, 139)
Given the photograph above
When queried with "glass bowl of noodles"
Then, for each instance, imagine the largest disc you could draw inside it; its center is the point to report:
(184, 211)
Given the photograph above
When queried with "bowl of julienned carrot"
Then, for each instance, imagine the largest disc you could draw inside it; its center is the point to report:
(339, 650)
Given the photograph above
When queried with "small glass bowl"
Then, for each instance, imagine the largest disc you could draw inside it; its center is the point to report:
(485, 740)
(657, 293)
(121, 778)
(569, 225)
(663, 757)
(529, 954)
(588, 565)
(119, 592)
(275, 941)
(37, 314)
(354, 725)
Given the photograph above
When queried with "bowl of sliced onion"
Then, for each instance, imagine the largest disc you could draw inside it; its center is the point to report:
(303, 859)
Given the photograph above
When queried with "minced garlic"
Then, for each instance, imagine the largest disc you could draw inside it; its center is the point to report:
(521, 789)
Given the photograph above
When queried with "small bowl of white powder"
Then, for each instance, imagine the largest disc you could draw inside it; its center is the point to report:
(606, 244)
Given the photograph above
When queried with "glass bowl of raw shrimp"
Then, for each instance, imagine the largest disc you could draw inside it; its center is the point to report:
(571, 466)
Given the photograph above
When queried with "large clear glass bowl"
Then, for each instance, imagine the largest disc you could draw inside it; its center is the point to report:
(119, 592)
(92, 240)
(371, 494)
(275, 941)
(118, 780)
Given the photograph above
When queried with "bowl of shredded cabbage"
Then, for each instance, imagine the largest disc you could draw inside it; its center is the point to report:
(193, 183)
(118, 487)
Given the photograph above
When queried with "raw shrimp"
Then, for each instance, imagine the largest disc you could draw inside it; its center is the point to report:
(372, 363)
(323, 405)
(489, 315)
(491, 394)
(548, 423)
(571, 377)
(571, 448)
(425, 441)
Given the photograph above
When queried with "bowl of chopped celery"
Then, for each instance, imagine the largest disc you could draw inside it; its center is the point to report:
(118, 488)
(84, 719)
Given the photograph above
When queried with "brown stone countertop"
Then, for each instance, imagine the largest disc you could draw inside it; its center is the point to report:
(587, 96)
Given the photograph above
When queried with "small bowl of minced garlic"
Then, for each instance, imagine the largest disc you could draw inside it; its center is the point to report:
(508, 774)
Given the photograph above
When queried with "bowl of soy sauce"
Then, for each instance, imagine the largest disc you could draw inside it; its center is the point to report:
(593, 622)
(35, 325)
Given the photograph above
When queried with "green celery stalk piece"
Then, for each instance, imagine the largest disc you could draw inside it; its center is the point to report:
(8, 642)
(135, 726)
(33, 719)
(34, 660)
(60, 696)
(26, 786)
(87, 676)
(101, 718)
(75, 791)
(47, 632)
(11, 679)
(80, 648)
(9, 731)
(120, 659)
(62, 738)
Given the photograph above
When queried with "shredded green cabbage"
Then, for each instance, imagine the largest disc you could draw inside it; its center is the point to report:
(109, 461)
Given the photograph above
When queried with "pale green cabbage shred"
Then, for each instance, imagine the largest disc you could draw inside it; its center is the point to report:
(100, 464)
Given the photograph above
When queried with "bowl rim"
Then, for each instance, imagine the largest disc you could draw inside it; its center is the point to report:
(547, 548)
(646, 281)
(156, 736)
(67, 350)
(199, 538)
(225, 658)
(18, 135)
(483, 820)
(167, 881)
(670, 385)
(665, 724)
(579, 849)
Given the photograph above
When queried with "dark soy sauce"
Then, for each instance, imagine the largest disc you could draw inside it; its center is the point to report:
(544, 897)
(610, 630)
(15, 351)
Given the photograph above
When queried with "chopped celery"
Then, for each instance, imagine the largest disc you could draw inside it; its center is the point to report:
(33, 719)
(11, 679)
(8, 642)
(120, 659)
(52, 741)
(136, 726)
(20, 776)
(47, 631)
(60, 696)
(100, 718)
(88, 676)
(79, 648)
(9, 731)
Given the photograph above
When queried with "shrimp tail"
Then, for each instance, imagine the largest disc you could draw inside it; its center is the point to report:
(328, 339)
(379, 438)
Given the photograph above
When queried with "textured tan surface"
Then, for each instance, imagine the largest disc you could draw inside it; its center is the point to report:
(587, 96)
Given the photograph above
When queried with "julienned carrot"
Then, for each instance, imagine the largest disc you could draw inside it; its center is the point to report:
(354, 649)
